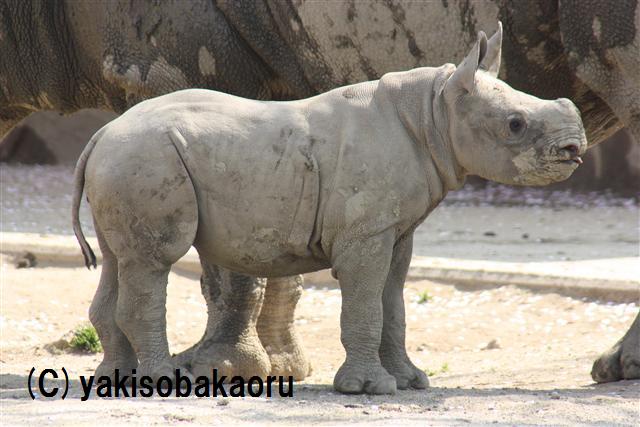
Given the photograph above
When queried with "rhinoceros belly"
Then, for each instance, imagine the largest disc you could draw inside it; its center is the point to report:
(258, 199)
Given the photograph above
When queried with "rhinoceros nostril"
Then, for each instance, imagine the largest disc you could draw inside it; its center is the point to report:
(570, 153)
(571, 149)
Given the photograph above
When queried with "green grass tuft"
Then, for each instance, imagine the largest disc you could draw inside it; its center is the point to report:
(424, 297)
(85, 339)
(443, 370)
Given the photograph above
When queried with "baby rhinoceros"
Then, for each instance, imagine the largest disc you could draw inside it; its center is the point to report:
(274, 189)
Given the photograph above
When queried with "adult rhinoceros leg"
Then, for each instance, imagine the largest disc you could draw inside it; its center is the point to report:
(393, 353)
(622, 361)
(274, 326)
(230, 343)
(276, 329)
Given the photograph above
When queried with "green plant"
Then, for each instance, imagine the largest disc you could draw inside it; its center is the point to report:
(443, 369)
(85, 339)
(424, 297)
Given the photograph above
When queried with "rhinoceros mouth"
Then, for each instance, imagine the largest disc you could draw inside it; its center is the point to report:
(572, 161)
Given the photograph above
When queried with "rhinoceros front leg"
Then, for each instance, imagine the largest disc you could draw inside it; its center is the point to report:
(230, 343)
(276, 329)
(622, 361)
(362, 268)
(393, 353)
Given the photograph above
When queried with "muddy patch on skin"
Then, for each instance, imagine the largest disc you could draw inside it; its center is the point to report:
(526, 161)
(206, 62)
(533, 171)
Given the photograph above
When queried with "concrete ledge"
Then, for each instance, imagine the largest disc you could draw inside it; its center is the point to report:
(544, 279)
(616, 279)
(65, 249)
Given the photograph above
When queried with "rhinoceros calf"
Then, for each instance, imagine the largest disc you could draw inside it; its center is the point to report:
(272, 189)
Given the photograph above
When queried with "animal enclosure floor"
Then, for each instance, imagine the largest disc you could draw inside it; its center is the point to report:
(537, 373)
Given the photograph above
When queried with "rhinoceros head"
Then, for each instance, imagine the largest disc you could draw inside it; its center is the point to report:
(505, 135)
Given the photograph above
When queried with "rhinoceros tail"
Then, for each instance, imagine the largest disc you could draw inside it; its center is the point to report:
(78, 188)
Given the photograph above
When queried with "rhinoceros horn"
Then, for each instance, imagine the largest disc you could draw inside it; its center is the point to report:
(491, 60)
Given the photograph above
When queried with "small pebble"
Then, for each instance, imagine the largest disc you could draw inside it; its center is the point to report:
(494, 344)
(26, 260)
(353, 405)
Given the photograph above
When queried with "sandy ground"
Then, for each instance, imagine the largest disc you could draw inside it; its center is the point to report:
(538, 375)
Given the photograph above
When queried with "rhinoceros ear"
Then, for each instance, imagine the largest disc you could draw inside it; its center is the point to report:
(463, 78)
(491, 61)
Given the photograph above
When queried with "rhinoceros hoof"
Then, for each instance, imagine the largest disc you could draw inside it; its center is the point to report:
(107, 368)
(168, 369)
(184, 358)
(246, 358)
(289, 361)
(353, 379)
(622, 361)
(408, 376)
(287, 355)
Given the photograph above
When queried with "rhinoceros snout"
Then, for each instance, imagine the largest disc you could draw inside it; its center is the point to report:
(571, 148)
(570, 152)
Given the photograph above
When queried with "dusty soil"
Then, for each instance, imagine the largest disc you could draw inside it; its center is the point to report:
(539, 374)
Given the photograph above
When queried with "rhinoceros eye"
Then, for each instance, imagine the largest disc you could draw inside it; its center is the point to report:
(516, 124)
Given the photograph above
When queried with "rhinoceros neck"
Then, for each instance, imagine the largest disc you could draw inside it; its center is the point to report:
(420, 107)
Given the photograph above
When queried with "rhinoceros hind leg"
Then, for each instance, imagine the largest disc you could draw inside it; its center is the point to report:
(622, 361)
(118, 353)
(277, 331)
(141, 314)
(149, 222)
(230, 343)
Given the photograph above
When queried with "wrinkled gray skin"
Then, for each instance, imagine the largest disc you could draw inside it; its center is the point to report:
(71, 55)
(68, 55)
(341, 180)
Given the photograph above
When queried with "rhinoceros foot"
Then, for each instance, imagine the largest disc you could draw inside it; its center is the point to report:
(407, 375)
(355, 378)
(622, 361)
(287, 357)
(107, 368)
(277, 330)
(245, 357)
(167, 368)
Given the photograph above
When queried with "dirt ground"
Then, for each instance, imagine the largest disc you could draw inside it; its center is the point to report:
(538, 374)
